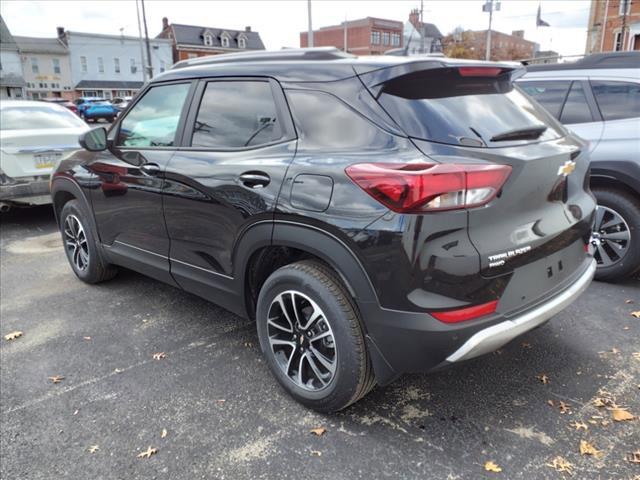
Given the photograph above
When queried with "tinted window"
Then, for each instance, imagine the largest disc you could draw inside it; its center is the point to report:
(36, 118)
(617, 99)
(236, 114)
(576, 109)
(446, 107)
(153, 121)
(550, 95)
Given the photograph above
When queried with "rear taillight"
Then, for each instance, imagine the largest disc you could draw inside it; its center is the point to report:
(422, 187)
(468, 313)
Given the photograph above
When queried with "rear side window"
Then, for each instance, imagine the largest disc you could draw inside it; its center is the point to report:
(617, 100)
(153, 121)
(236, 114)
(576, 108)
(550, 95)
(446, 107)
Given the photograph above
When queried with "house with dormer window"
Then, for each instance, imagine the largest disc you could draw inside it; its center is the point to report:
(190, 41)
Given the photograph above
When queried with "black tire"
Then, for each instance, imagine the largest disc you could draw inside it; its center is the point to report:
(96, 269)
(628, 207)
(353, 377)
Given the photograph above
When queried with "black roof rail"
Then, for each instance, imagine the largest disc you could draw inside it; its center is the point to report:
(295, 54)
(629, 59)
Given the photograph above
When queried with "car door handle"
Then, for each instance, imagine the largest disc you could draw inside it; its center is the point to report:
(255, 179)
(151, 169)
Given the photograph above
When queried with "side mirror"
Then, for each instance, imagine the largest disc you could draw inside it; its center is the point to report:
(94, 140)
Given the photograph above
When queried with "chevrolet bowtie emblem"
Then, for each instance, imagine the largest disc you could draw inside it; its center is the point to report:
(566, 169)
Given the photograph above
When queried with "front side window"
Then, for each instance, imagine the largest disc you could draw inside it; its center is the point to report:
(56, 65)
(236, 114)
(153, 121)
(550, 94)
(617, 100)
(576, 109)
(83, 64)
(34, 65)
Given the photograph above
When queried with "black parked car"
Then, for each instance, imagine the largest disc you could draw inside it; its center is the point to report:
(375, 215)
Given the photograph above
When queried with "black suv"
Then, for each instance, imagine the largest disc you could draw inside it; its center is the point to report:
(375, 215)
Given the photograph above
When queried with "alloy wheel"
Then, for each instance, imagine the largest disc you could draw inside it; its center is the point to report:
(76, 243)
(611, 236)
(302, 340)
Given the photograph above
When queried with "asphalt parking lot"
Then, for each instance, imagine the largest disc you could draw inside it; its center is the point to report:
(226, 418)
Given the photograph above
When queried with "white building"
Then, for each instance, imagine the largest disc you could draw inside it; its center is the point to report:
(111, 65)
(45, 64)
(11, 79)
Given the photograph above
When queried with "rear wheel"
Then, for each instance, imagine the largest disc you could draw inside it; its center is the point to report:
(80, 245)
(311, 335)
(616, 235)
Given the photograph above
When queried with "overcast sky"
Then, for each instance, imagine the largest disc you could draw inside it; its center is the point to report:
(280, 22)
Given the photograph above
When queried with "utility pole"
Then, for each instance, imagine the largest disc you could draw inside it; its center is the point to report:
(310, 31)
(146, 40)
(625, 5)
(144, 70)
(490, 6)
(421, 25)
(346, 28)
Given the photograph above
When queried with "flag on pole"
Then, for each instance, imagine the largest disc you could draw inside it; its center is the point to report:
(539, 21)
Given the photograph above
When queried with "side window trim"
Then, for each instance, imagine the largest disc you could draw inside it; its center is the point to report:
(282, 110)
(181, 121)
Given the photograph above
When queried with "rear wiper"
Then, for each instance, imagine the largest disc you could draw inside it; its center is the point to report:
(529, 133)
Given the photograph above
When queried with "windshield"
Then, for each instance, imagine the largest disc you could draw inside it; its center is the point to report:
(444, 106)
(37, 117)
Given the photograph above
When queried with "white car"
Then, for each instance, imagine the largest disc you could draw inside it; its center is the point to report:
(34, 138)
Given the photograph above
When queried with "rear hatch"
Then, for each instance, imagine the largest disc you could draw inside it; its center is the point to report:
(100, 108)
(536, 226)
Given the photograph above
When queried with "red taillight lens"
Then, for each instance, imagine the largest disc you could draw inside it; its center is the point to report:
(422, 187)
(468, 313)
(479, 71)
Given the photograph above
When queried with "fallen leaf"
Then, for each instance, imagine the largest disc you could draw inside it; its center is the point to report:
(492, 467)
(634, 457)
(76, 412)
(561, 465)
(628, 301)
(605, 423)
(525, 345)
(248, 344)
(587, 449)
(625, 327)
(318, 431)
(56, 378)
(12, 335)
(119, 370)
(220, 400)
(86, 338)
(579, 425)
(564, 407)
(636, 314)
(164, 433)
(94, 448)
(316, 453)
(636, 355)
(148, 452)
(159, 356)
(551, 403)
(621, 414)
(543, 378)
(615, 351)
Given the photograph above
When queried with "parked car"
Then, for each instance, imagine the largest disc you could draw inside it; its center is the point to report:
(374, 215)
(598, 98)
(121, 103)
(83, 102)
(34, 138)
(63, 102)
(99, 109)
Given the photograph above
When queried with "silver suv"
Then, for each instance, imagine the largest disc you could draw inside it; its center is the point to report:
(598, 98)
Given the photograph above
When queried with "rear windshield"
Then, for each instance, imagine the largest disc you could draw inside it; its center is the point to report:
(38, 117)
(446, 107)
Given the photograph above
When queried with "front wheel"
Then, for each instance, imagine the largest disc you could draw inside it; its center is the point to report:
(80, 245)
(616, 235)
(312, 337)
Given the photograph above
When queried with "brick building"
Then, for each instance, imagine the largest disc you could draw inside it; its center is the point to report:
(367, 36)
(190, 41)
(503, 45)
(607, 19)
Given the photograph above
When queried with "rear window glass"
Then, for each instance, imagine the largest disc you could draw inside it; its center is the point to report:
(617, 100)
(445, 107)
(38, 118)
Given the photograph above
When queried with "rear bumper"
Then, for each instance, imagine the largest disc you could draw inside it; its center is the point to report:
(491, 338)
(403, 342)
(35, 192)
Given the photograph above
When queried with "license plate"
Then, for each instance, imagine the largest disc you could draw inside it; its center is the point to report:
(46, 160)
